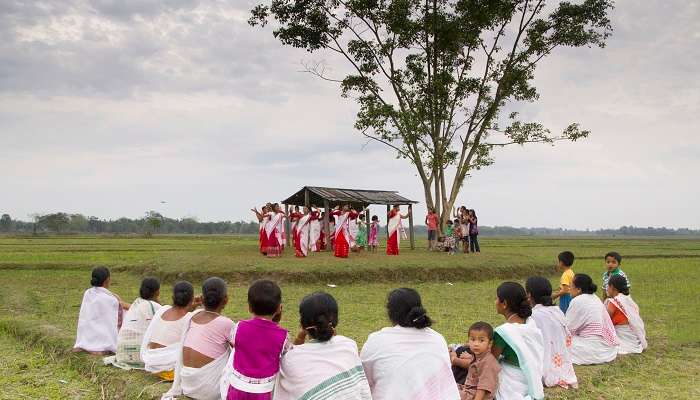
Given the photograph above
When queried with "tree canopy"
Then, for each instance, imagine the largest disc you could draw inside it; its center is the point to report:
(432, 77)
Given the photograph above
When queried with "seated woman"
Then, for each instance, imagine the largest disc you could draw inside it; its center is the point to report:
(624, 313)
(519, 346)
(136, 320)
(161, 342)
(100, 316)
(206, 345)
(594, 339)
(558, 369)
(326, 367)
(408, 360)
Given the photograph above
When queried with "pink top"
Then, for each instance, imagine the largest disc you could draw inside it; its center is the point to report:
(432, 220)
(259, 343)
(211, 339)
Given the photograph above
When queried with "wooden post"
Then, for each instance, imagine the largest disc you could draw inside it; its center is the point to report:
(410, 226)
(307, 201)
(287, 224)
(326, 225)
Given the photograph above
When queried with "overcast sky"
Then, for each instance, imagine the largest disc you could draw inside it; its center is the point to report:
(108, 107)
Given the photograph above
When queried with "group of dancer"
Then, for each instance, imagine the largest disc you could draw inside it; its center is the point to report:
(209, 357)
(347, 227)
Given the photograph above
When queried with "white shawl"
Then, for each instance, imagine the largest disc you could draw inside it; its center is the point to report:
(162, 358)
(97, 321)
(303, 229)
(329, 370)
(408, 363)
(199, 383)
(587, 317)
(631, 310)
(524, 382)
(558, 368)
(315, 233)
(275, 221)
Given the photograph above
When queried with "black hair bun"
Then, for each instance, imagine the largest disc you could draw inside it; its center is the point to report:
(418, 318)
(525, 310)
(324, 329)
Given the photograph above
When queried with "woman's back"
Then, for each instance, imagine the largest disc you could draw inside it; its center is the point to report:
(403, 362)
(333, 367)
(558, 369)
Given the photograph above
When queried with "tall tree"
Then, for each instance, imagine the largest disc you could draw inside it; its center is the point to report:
(5, 223)
(154, 220)
(432, 77)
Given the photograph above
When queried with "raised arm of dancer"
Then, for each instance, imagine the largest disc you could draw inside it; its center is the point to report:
(257, 214)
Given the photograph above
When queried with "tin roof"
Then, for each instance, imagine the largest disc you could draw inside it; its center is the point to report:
(336, 196)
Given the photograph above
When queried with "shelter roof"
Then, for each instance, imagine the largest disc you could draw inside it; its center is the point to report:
(337, 196)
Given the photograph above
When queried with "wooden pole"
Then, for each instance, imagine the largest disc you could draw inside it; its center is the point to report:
(287, 224)
(307, 201)
(326, 225)
(410, 226)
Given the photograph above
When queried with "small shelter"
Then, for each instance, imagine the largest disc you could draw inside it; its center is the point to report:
(314, 196)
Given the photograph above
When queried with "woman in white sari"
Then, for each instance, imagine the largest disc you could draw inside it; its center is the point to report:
(594, 339)
(519, 344)
(408, 360)
(161, 342)
(558, 369)
(136, 321)
(327, 367)
(206, 346)
(100, 316)
(624, 313)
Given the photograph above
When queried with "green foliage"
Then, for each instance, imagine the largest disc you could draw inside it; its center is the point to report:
(431, 77)
(5, 223)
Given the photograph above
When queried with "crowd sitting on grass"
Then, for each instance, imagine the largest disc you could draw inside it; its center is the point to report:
(208, 356)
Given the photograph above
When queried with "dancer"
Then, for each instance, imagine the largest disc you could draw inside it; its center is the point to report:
(302, 233)
(263, 218)
(394, 220)
(361, 239)
(275, 231)
(342, 234)
(294, 217)
(315, 230)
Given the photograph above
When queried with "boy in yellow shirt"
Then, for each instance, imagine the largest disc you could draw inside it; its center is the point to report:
(566, 260)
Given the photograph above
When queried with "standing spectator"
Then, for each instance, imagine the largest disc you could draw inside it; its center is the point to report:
(473, 232)
(463, 216)
(431, 221)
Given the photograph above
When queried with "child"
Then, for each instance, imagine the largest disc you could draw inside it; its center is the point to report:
(258, 344)
(566, 260)
(361, 239)
(373, 232)
(449, 238)
(457, 234)
(483, 368)
(612, 261)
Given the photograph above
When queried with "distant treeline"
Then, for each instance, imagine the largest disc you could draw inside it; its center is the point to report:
(153, 222)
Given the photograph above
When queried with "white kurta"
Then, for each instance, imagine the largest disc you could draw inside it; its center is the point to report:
(97, 321)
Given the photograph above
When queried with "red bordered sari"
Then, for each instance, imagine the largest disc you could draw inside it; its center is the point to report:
(302, 235)
(342, 234)
(274, 232)
(392, 242)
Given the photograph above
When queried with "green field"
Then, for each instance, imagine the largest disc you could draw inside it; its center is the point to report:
(42, 280)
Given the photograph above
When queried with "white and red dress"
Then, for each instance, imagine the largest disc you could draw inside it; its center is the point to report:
(342, 234)
(393, 240)
(274, 229)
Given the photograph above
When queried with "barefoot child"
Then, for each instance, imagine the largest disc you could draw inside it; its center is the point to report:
(566, 261)
(612, 262)
(483, 368)
(258, 345)
(373, 232)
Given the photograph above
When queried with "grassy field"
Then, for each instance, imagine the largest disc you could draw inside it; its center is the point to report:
(42, 280)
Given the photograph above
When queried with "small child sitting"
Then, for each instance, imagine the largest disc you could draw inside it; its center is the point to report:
(449, 242)
(258, 345)
(482, 368)
(613, 260)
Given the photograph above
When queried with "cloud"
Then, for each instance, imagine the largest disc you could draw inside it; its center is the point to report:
(108, 107)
